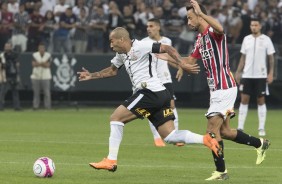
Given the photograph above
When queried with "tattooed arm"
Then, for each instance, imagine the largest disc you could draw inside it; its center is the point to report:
(178, 60)
(105, 73)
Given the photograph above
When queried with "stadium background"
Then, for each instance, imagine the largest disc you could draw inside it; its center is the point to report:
(192, 91)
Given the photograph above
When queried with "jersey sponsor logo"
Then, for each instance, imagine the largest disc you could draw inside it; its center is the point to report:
(168, 112)
(65, 76)
(206, 54)
(143, 112)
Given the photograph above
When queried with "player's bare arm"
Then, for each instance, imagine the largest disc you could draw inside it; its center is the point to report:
(105, 73)
(210, 20)
(175, 57)
(271, 69)
(240, 68)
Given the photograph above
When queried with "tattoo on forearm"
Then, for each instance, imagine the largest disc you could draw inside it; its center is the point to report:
(172, 52)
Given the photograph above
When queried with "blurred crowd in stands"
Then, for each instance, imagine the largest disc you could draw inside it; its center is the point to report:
(83, 26)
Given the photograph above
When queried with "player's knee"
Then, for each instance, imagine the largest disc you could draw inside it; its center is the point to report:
(114, 117)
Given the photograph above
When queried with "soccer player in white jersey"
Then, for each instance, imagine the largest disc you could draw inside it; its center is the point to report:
(150, 98)
(256, 49)
(211, 47)
(153, 30)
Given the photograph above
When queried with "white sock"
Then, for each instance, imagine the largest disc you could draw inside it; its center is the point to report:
(154, 131)
(176, 119)
(262, 116)
(243, 111)
(115, 139)
(184, 136)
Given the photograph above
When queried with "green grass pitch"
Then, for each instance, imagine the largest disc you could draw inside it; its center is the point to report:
(73, 138)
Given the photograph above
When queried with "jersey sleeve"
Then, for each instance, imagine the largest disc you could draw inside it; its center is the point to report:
(195, 52)
(270, 48)
(117, 61)
(146, 46)
(215, 35)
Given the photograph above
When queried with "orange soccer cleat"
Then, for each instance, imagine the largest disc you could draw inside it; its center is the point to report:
(106, 164)
(211, 143)
(159, 142)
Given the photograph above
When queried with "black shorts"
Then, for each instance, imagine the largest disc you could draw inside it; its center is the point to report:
(251, 86)
(152, 105)
(169, 87)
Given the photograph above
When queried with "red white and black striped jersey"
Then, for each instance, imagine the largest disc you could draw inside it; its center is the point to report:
(212, 49)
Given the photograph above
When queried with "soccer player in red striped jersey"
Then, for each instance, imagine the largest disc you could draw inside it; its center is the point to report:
(211, 47)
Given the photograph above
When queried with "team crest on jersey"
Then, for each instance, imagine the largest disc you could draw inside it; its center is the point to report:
(65, 76)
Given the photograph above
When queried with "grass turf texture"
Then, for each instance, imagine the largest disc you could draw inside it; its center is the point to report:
(74, 138)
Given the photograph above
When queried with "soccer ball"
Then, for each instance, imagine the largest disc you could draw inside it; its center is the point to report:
(44, 167)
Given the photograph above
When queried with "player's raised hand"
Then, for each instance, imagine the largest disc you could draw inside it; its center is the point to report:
(84, 75)
(190, 68)
(196, 7)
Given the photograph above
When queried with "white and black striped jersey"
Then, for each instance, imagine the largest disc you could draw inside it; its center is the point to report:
(139, 65)
(162, 65)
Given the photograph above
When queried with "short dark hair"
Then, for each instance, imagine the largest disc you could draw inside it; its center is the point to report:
(155, 20)
(256, 19)
(203, 9)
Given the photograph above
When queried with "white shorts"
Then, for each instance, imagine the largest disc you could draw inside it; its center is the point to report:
(222, 102)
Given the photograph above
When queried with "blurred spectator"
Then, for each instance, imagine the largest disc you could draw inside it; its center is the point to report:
(41, 77)
(98, 27)
(47, 5)
(174, 26)
(80, 4)
(142, 19)
(50, 25)
(129, 21)
(159, 14)
(31, 5)
(234, 27)
(21, 23)
(35, 30)
(167, 8)
(9, 76)
(60, 9)
(80, 35)
(6, 25)
(98, 3)
(62, 36)
(115, 19)
(13, 6)
(186, 40)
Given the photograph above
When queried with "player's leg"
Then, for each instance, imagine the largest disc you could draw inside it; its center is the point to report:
(220, 110)
(240, 137)
(117, 120)
(243, 111)
(215, 122)
(261, 115)
(166, 129)
(261, 89)
(173, 136)
(245, 89)
(136, 106)
(157, 138)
